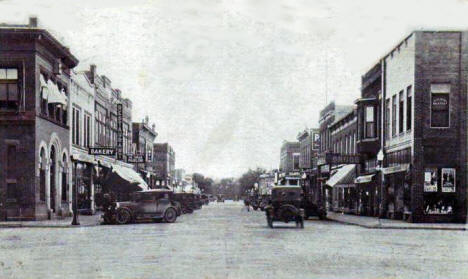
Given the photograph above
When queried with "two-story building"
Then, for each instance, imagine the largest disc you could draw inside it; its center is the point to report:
(143, 139)
(34, 125)
(164, 164)
(289, 157)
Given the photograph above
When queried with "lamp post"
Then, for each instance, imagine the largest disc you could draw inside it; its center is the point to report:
(75, 221)
(380, 159)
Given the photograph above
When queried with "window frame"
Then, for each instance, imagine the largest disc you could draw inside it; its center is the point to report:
(448, 104)
(7, 82)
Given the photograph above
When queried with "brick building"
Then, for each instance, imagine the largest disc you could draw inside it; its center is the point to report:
(289, 157)
(424, 136)
(143, 139)
(34, 127)
(164, 164)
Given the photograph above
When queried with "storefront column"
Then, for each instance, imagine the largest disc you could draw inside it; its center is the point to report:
(47, 185)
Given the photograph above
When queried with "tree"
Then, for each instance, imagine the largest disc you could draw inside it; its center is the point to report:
(248, 179)
(204, 183)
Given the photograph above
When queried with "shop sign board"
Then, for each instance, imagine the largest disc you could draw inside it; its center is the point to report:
(135, 158)
(119, 132)
(337, 158)
(448, 176)
(430, 180)
(106, 151)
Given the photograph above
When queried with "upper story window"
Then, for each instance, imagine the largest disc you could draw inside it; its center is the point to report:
(401, 112)
(76, 126)
(9, 89)
(409, 107)
(440, 104)
(370, 122)
(387, 119)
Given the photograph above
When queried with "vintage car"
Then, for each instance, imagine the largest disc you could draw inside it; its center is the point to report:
(220, 198)
(197, 200)
(285, 206)
(264, 201)
(205, 199)
(186, 202)
(155, 204)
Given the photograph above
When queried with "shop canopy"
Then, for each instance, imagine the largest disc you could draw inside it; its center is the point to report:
(52, 94)
(344, 176)
(364, 179)
(123, 179)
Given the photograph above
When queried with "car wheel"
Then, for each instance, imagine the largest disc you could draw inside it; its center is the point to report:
(123, 216)
(170, 215)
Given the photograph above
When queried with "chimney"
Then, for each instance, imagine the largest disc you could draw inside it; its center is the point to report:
(92, 70)
(32, 22)
(153, 127)
(146, 119)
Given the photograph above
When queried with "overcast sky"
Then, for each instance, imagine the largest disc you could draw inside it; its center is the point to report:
(227, 81)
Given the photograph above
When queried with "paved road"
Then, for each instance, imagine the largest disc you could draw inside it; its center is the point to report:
(223, 241)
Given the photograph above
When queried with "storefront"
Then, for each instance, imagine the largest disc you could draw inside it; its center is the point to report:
(83, 178)
(397, 191)
(440, 188)
(368, 194)
(341, 191)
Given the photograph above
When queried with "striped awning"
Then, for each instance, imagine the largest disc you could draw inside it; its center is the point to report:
(344, 176)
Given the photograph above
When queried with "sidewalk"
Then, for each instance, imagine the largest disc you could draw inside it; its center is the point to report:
(85, 221)
(376, 223)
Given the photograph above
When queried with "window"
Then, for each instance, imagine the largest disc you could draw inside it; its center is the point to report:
(440, 103)
(76, 126)
(370, 122)
(393, 115)
(401, 112)
(9, 89)
(387, 118)
(87, 131)
(11, 172)
(409, 108)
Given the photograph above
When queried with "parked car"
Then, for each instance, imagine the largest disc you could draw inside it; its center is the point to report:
(205, 199)
(220, 198)
(264, 201)
(155, 204)
(285, 206)
(186, 202)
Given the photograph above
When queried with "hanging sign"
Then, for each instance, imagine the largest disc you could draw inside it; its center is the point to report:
(119, 132)
(107, 151)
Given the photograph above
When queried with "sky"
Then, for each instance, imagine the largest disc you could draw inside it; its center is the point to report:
(226, 82)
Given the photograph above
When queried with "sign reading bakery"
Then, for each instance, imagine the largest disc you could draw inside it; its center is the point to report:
(440, 102)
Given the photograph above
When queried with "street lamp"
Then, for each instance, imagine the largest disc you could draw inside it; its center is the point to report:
(380, 159)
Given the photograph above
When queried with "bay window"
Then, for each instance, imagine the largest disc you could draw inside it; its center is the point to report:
(370, 122)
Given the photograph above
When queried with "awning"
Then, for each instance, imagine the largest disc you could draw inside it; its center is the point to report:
(345, 175)
(83, 158)
(54, 95)
(395, 169)
(364, 179)
(130, 175)
(44, 88)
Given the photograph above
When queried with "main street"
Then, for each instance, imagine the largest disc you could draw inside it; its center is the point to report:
(225, 241)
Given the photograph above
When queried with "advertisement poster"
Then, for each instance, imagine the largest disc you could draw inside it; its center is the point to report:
(430, 180)
(448, 180)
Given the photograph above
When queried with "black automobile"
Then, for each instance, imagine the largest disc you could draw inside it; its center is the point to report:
(186, 202)
(153, 204)
(220, 198)
(205, 199)
(285, 206)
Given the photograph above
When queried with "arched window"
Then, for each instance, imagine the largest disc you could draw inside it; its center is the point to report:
(64, 178)
(42, 175)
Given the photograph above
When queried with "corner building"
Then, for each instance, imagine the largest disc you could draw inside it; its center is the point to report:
(424, 136)
(34, 127)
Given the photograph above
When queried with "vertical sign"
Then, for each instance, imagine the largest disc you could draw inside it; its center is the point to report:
(119, 132)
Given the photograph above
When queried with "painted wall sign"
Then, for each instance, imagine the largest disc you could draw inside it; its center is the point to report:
(107, 151)
(448, 176)
(430, 180)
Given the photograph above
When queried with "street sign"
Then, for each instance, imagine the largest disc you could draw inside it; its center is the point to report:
(119, 132)
(135, 158)
(107, 151)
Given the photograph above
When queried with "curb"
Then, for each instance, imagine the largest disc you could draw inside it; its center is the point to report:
(389, 227)
(38, 226)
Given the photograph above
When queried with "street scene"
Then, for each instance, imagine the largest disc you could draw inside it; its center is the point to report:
(223, 240)
(209, 139)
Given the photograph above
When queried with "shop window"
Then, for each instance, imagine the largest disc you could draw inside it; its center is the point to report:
(75, 126)
(370, 122)
(401, 112)
(409, 107)
(9, 89)
(440, 104)
(11, 172)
